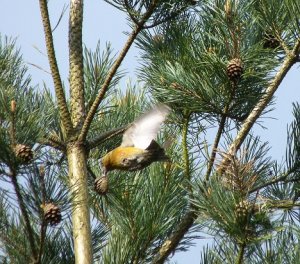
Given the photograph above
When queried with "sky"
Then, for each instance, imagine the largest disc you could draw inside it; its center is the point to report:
(21, 20)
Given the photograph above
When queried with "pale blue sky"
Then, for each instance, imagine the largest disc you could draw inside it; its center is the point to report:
(21, 19)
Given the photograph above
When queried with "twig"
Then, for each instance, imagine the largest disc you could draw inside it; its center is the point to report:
(24, 214)
(59, 91)
(185, 146)
(98, 210)
(39, 51)
(281, 205)
(90, 171)
(53, 142)
(172, 16)
(105, 136)
(215, 147)
(12, 131)
(240, 256)
(282, 178)
(39, 67)
(113, 70)
(44, 224)
(42, 240)
(283, 45)
(129, 11)
(65, 7)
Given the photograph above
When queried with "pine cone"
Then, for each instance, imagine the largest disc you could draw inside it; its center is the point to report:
(270, 42)
(101, 185)
(24, 153)
(241, 210)
(52, 213)
(234, 69)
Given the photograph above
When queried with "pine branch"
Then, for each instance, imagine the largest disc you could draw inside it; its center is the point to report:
(274, 181)
(164, 13)
(53, 141)
(24, 214)
(283, 204)
(59, 92)
(185, 147)
(105, 136)
(168, 18)
(113, 70)
(42, 240)
(98, 208)
(76, 63)
(129, 12)
(170, 244)
(13, 124)
(240, 256)
(289, 61)
(43, 229)
(283, 178)
(187, 222)
(215, 147)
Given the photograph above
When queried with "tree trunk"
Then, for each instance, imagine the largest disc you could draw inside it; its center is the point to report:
(80, 209)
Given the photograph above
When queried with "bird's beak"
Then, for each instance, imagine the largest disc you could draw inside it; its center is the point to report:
(103, 169)
(104, 172)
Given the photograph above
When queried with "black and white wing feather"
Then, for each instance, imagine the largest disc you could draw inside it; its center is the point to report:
(145, 128)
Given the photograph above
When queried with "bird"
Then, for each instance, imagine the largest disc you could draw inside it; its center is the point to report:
(138, 148)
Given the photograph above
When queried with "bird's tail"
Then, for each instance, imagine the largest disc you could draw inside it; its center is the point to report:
(157, 151)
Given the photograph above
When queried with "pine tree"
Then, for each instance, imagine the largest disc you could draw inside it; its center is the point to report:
(217, 64)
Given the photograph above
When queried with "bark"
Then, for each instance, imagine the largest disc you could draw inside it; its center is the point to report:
(58, 87)
(76, 62)
(76, 149)
(170, 244)
(77, 162)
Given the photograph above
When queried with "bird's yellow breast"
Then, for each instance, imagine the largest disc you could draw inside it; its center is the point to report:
(114, 159)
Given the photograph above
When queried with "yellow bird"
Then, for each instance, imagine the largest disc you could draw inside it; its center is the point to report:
(139, 148)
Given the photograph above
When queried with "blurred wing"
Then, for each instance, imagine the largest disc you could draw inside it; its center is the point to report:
(145, 128)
